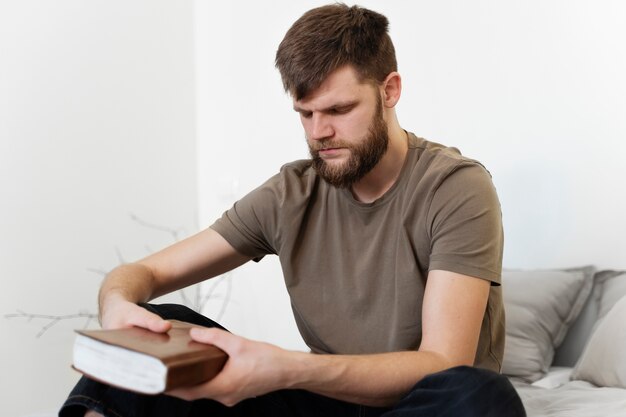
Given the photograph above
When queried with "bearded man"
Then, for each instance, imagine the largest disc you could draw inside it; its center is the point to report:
(390, 246)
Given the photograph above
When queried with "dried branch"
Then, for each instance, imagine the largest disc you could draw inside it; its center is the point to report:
(225, 278)
(175, 233)
(198, 303)
(52, 319)
(98, 271)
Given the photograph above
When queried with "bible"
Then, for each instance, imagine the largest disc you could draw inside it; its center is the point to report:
(146, 362)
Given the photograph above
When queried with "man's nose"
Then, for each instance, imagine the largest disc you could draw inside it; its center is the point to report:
(321, 128)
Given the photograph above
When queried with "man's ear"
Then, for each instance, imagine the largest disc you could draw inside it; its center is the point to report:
(391, 89)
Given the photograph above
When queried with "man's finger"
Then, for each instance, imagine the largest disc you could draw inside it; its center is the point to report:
(213, 336)
(152, 322)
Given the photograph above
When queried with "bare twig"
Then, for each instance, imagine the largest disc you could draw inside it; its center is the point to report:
(229, 288)
(175, 233)
(198, 303)
(211, 294)
(52, 319)
(98, 271)
(120, 258)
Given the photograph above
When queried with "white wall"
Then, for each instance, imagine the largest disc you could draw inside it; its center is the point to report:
(535, 90)
(97, 104)
(96, 123)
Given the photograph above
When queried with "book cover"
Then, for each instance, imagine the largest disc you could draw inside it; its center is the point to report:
(139, 360)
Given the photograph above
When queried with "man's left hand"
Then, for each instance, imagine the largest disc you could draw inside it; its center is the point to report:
(252, 369)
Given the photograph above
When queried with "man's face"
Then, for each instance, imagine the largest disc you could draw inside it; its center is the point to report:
(344, 126)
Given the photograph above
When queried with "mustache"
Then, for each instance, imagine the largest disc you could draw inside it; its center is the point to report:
(328, 144)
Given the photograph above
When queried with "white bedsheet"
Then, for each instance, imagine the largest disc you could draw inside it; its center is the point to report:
(556, 396)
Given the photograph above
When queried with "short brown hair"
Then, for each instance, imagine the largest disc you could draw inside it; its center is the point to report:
(329, 37)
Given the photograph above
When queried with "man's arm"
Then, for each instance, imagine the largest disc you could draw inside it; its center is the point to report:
(204, 255)
(453, 310)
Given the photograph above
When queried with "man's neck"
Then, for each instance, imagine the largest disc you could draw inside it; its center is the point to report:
(385, 174)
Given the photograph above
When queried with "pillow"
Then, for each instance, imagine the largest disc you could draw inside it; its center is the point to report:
(540, 306)
(603, 362)
(612, 286)
(609, 286)
(579, 333)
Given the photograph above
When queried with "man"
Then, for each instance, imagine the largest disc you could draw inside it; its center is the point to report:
(391, 249)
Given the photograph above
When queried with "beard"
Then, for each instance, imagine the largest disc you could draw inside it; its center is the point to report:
(363, 156)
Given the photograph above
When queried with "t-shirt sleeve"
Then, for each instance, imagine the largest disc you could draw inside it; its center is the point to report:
(250, 225)
(465, 224)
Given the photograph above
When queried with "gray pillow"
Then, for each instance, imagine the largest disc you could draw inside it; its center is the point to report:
(603, 362)
(540, 306)
(609, 286)
(612, 287)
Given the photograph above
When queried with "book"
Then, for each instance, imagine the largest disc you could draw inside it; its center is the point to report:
(146, 362)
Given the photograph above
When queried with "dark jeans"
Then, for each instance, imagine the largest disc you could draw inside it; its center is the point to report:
(456, 392)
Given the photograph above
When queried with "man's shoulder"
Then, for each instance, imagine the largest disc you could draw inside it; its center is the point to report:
(299, 173)
(433, 149)
(294, 180)
(440, 158)
(298, 168)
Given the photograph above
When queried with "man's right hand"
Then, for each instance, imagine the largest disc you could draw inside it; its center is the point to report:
(117, 312)
(202, 256)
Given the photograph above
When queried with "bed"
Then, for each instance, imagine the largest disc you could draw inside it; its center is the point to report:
(566, 341)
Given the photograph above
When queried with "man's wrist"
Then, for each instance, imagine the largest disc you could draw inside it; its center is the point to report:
(310, 371)
(111, 301)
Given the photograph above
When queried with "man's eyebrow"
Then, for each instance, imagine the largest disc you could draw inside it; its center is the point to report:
(340, 105)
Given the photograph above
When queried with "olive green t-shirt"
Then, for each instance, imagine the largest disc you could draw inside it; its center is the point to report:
(356, 272)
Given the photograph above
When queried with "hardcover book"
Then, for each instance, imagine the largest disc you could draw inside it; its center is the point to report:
(142, 361)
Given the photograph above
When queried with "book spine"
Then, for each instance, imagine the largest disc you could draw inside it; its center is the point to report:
(189, 373)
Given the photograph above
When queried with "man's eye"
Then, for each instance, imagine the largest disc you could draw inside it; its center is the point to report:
(306, 114)
(341, 110)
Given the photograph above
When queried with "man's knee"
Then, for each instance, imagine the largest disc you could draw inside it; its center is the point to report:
(180, 312)
(462, 391)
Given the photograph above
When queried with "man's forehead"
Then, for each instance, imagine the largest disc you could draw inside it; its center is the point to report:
(342, 86)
